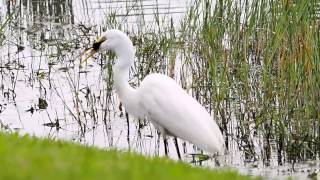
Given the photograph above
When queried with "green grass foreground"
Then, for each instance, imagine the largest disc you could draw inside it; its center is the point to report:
(32, 158)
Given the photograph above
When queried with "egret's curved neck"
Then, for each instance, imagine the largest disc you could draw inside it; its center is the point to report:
(125, 57)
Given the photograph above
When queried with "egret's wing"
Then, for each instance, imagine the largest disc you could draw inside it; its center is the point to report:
(166, 103)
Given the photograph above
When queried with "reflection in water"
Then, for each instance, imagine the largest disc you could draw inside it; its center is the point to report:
(57, 11)
(40, 66)
(45, 92)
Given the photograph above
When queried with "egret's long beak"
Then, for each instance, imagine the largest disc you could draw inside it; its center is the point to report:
(88, 54)
(95, 47)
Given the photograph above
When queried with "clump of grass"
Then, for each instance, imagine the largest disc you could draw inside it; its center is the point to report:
(3, 25)
(47, 159)
(258, 64)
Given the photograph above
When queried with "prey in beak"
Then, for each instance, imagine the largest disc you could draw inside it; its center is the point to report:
(95, 47)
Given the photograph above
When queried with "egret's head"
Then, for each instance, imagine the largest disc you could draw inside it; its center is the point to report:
(113, 40)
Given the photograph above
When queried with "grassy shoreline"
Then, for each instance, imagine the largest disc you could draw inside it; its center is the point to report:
(31, 158)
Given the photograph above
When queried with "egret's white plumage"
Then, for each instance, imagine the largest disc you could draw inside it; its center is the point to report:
(160, 99)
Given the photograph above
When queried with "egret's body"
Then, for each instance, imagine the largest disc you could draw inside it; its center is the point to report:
(160, 99)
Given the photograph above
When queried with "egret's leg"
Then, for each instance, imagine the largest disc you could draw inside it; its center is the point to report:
(177, 146)
(164, 135)
(128, 130)
(165, 142)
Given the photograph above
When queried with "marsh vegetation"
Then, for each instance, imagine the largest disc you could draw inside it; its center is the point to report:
(253, 64)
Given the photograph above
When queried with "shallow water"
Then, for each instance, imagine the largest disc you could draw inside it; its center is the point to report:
(44, 91)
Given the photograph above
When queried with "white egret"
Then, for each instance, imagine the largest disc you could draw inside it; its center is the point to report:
(159, 98)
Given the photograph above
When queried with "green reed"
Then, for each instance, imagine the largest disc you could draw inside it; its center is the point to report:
(258, 62)
(3, 25)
